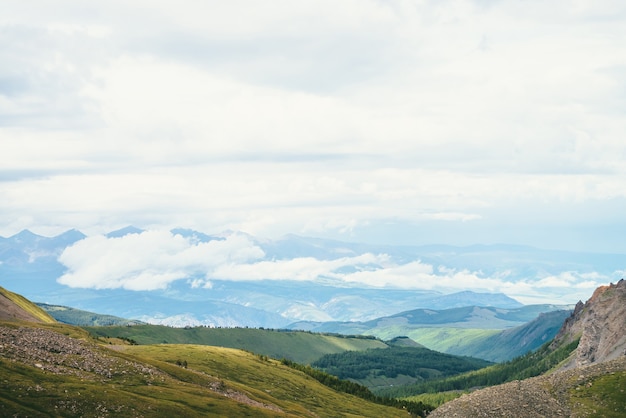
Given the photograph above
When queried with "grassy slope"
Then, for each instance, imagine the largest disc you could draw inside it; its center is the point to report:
(517, 341)
(27, 306)
(265, 380)
(79, 317)
(173, 391)
(542, 361)
(445, 340)
(601, 397)
(37, 394)
(301, 347)
(490, 344)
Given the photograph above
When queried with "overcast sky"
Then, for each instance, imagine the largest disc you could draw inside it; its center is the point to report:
(383, 121)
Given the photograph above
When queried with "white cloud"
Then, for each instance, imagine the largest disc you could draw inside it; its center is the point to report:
(148, 261)
(302, 268)
(155, 259)
(567, 279)
(316, 116)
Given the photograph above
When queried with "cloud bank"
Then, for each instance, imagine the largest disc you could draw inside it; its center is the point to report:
(149, 260)
(156, 259)
(498, 121)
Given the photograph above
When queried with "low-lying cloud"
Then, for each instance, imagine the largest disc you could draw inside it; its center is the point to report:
(153, 260)
(149, 260)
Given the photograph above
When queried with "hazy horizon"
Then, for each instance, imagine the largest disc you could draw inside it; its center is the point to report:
(188, 262)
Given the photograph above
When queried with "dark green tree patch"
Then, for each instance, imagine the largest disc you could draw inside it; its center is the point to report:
(418, 362)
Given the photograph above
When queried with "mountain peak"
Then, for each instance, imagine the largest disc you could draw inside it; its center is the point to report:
(71, 235)
(24, 235)
(124, 231)
(192, 234)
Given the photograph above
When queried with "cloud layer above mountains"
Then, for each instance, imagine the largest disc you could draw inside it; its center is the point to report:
(153, 260)
(387, 121)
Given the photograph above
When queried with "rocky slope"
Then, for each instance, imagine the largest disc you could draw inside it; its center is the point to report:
(600, 324)
(554, 395)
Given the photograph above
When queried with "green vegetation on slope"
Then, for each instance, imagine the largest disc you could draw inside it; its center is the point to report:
(604, 396)
(435, 399)
(27, 306)
(445, 339)
(34, 393)
(79, 317)
(415, 408)
(301, 347)
(418, 363)
(46, 376)
(514, 342)
(58, 370)
(266, 380)
(528, 365)
(476, 334)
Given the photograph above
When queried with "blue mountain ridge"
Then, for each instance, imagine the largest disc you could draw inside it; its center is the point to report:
(29, 265)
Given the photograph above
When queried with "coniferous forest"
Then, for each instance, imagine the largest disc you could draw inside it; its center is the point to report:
(418, 362)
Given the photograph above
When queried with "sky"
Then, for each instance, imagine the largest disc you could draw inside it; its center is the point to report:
(397, 122)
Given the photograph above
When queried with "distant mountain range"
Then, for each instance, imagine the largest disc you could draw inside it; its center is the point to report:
(493, 334)
(30, 265)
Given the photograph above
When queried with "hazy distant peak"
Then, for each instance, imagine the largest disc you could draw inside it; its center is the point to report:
(25, 235)
(193, 234)
(232, 233)
(71, 235)
(124, 231)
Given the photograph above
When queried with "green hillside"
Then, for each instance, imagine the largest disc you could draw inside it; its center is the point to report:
(291, 390)
(489, 333)
(27, 308)
(601, 396)
(444, 339)
(298, 346)
(528, 365)
(517, 341)
(79, 317)
(59, 370)
(489, 344)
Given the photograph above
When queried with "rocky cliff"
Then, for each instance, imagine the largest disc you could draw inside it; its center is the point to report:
(591, 383)
(600, 324)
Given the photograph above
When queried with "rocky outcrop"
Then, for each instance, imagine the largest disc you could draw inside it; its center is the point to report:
(600, 324)
(60, 354)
